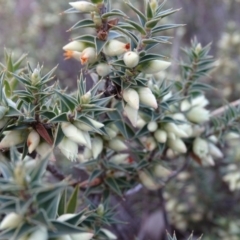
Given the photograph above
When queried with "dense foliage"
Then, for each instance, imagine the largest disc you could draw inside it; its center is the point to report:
(125, 128)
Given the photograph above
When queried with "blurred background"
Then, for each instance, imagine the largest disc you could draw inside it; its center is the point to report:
(199, 200)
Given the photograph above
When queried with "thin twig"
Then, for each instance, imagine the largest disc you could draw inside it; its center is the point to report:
(221, 110)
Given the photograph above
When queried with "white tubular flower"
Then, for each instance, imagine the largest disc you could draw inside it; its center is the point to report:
(208, 160)
(32, 141)
(84, 6)
(109, 234)
(3, 122)
(117, 145)
(198, 115)
(120, 158)
(185, 105)
(161, 172)
(146, 97)
(43, 149)
(103, 69)
(88, 55)
(13, 138)
(85, 127)
(200, 101)
(131, 97)
(161, 136)
(131, 59)
(177, 145)
(155, 66)
(214, 151)
(111, 133)
(148, 181)
(150, 144)
(68, 148)
(40, 234)
(73, 133)
(172, 127)
(115, 48)
(132, 114)
(97, 146)
(200, 147)
(171, 135)
(75, 46)
(10, 221)
(140, 123)
(82, 236)
(152, 126)
(72, 54)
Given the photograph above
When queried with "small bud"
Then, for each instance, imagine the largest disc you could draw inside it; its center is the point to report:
(10, 221)
(200, 147)
(120, 158)
(131, 59)
(33, 141)
(109, 234)
(150, 143)
(172, 127)
(75, 46)
(117, 145)
(198, 48)
(132, 114)
(146, 97)
(97, 146)
(88, 55)
(111, 133)
(161, 136)
(177, 145)
(153, 5)
(198, 115)
(74, 134)
(208, 160)
(154, 66)
(13, 138)
(103, 69)
(43, 149)
(161, 172)
(115, 48)
(68, 148)
(40, 234)
(35, 78)
(214, 151)
(131, 97)
(152, 126)
(72, 54)
(83, 6)
(140, 123)
(100, 209)
(148, 181)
